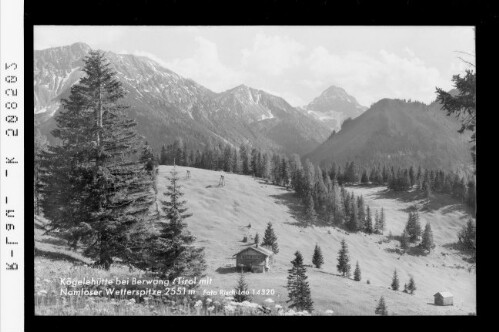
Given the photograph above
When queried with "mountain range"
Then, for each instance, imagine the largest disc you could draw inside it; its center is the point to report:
(332, 127)
(167, 106)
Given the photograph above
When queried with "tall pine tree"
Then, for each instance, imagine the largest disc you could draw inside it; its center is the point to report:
(171, 251)
(343, 260)
(241, 290)
(317, 258)
(395, 281)
(427, 240)
(413, 227)
(298, 287)
(270, 239)
(381, 307)
(411, 288)
(108, 192)
(357, 274)
(369, 221)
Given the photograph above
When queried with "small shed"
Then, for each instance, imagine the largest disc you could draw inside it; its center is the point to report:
(255, 259)
(444, 298)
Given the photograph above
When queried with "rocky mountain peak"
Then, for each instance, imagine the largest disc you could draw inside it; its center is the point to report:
(331, 97)
(333, 106)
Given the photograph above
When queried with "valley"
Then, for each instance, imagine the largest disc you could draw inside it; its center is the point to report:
(220, 220)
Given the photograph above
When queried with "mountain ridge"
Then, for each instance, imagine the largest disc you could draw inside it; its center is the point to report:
(394, 131)
(164, 102)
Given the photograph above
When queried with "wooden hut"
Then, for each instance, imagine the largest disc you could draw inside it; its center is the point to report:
(255, 259)
(443, 298)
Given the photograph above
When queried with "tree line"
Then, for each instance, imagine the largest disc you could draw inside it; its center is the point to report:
(324, 198)
(305, 178)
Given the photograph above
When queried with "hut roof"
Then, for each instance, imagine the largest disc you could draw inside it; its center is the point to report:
(444, 294)
(261, 250)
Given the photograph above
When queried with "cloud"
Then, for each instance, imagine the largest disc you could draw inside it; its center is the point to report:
(95, 36)
(370, 78)
(297, 64)
(205, 67)
(292, 98)
(272, 54)
(151, 56)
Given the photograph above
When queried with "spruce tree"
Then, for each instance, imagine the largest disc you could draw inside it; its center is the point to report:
(347, 203)
(356, 273)
(297, 175)
(310, 214)
(270, 239)
(353, 222)
(227, 160)
(369, 222)
(351, 175)
(236, 162)
(381, 308)
(320, 191)
(246, 166)
(395, 281)
(178, 152)
(105, 193)
(317, 258)
(361, 212)
(427, 241)
(284, 169)
(298, 287)
(241, 289)
(254, 162)
(308, 191)
(467, 236)
(411, 288)
(338, 205)
(261, 165)
(66, 170)
(329, 206)
(413, 227)
(378, 222)
(276, 169)
(267, 166)
(172, 252)
(343, 260)
(382, 221)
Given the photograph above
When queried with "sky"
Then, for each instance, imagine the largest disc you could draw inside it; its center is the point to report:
(295, 62)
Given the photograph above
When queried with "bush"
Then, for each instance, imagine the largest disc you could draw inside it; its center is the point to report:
(467, 236)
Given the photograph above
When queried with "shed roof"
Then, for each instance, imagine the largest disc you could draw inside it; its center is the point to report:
(261, 250)
(444, 294)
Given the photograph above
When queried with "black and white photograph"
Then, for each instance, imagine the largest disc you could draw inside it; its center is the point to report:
(254, 170)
